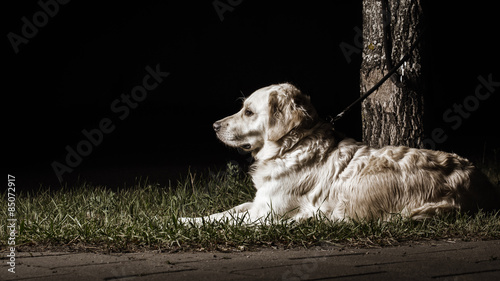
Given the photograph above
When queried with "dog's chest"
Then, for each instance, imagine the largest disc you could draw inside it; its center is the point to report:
(267, 172)
(281, 173)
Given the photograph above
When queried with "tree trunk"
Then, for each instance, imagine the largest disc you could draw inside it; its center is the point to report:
(392, 115)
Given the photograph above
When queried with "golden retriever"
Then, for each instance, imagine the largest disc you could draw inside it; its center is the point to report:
(304, 168)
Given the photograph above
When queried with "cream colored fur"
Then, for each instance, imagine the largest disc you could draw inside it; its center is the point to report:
(303, 168)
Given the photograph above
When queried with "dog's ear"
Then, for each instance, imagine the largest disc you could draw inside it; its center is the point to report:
(286, 112)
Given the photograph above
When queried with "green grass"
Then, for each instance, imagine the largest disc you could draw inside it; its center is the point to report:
(142, 217)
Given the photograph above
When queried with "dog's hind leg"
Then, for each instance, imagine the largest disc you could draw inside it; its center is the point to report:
(429, 210)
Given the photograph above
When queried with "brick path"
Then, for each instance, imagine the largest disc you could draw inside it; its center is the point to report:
(428, 261)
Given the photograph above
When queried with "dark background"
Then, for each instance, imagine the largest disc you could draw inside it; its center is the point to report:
(66, 77)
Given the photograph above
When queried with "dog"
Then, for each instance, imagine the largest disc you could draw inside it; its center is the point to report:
(303, 168)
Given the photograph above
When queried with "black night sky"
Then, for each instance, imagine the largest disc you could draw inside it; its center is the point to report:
(82, 63)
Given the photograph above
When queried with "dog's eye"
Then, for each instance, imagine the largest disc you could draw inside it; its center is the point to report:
(248, 113)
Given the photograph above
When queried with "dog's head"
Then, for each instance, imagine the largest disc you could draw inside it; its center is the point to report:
(269, 114)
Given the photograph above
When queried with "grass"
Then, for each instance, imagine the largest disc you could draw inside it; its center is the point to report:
(142, 217)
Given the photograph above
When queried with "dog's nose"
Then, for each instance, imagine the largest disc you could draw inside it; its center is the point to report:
(217, 126)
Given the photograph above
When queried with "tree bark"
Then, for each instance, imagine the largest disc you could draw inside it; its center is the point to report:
(392, 115)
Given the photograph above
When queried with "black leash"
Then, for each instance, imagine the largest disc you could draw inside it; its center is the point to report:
(376, 86)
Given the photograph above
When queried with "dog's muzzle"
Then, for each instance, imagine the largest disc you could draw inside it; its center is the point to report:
(217, 126)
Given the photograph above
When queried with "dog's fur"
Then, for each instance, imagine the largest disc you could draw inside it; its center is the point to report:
(303, 167)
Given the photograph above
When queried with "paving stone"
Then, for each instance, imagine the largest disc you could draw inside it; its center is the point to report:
(426, 261)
